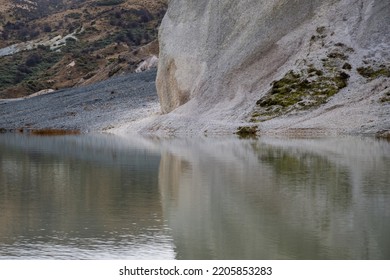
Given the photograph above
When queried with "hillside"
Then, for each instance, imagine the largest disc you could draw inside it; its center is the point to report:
(48, 44)
(291, 67)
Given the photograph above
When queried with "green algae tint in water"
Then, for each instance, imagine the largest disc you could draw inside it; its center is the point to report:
(105, 197)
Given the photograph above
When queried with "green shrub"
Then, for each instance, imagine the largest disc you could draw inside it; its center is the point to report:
(370, 73)
(74, 15)
(26, 66)
(247, 131)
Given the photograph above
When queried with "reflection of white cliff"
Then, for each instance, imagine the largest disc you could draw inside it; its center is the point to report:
(218, 198)
(219, 58)
(276, 199)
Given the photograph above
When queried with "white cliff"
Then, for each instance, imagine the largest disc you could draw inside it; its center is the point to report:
(231, 63)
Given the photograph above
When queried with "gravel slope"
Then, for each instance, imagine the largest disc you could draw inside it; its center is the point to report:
(97, 107)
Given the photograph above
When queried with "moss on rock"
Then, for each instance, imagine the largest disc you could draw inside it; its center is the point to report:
(369, 72)
(293, 88)
(309, 87)
(247, 131)
(347, 66)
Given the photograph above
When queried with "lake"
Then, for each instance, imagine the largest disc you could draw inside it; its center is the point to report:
(113, 197)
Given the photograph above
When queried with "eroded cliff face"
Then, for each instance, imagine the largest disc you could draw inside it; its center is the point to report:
(275, 65)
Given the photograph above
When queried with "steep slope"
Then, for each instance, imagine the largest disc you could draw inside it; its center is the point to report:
(276, 66)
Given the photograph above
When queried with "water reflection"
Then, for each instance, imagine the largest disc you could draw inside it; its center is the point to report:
(106, 197)
(277, 199)
(80, 197)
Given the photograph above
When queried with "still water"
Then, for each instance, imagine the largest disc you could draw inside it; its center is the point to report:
(107, 197)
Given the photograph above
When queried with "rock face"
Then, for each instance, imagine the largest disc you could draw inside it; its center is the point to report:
(279, 62)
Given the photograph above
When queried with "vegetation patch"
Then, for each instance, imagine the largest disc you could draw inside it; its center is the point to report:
(73, 15)
(109, 2)
(338, 55)
(320, 34)
(371, 73)
(25, 68)
(321, 29)
(383, 135)
(247, 131)
(347, 66)
(306, 88)
(299, 91)
(53, 132)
